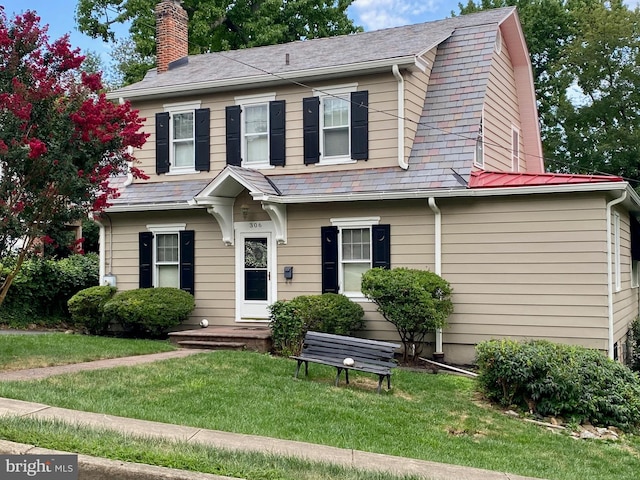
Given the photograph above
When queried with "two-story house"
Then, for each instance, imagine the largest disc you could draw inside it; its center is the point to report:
(291, 169)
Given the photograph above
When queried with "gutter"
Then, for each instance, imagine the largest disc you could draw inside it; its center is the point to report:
(401, 161)
(438, 354)
(610, 292)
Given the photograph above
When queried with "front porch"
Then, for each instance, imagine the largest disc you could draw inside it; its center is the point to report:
(257, 339)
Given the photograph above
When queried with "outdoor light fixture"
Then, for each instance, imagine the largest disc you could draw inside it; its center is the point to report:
(244, 209)
(110, 279)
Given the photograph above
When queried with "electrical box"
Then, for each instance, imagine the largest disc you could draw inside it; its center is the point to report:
(288, 273)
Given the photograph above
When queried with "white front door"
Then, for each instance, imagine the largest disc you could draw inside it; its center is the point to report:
(255, 267)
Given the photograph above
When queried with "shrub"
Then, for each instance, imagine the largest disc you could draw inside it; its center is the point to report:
(574, 382)
(633, 345)
(414, 301)
(149, 311)
(328, 313)
(86, 308)
(42, 288)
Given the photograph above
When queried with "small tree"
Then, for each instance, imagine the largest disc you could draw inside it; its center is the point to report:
(60, 139)
(414, 301)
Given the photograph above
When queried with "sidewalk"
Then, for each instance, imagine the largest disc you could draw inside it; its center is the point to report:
(217, 439)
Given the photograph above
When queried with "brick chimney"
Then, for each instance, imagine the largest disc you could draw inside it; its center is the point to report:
(172, 37)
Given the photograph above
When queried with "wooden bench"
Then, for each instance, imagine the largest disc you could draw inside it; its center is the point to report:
(369, 355)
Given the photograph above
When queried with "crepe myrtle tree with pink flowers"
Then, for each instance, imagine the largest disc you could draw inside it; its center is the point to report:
(61, 140)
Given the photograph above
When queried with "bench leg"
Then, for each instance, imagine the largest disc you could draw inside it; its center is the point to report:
(306, 368)
(338, 376)
(388, 382)
(380, 377)
(346, 374)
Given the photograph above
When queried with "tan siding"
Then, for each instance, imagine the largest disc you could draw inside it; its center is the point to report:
(625, 302)
(500, 113)
(526, 267)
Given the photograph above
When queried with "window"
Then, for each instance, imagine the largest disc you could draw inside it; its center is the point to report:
(350, 247)
(635, 267)
(256, 132)
(479, 154)
(616, 251)
(515, 149)
(166, 257)
(182, 139)
(336, 125)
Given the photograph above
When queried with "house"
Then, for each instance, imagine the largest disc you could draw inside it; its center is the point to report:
(291, 169)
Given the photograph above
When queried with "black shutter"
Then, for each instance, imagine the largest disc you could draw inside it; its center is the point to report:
(162, 142)
(187, 254)
(233, 135)
(311, 129)
(277, 133)
(329, 259)
(381, 240)
(360, 125)
(203, 160)
(145, 254)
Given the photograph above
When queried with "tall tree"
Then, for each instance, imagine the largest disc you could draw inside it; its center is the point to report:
(60, 142)
(216, 25)
(584, 55)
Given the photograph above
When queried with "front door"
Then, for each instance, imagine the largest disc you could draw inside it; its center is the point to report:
(255, 264)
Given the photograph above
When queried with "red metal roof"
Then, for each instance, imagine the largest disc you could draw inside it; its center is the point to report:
(482, 179)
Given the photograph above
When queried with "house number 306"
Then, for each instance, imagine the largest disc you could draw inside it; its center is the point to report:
(255, 225)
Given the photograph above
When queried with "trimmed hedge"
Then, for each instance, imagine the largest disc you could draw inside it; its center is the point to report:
(149, 312)
(328, 313)
(87, 308)
(572, 382)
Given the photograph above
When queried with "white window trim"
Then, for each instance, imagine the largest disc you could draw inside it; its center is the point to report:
(174, 108)
(334, 91)
(166, 229)
(352, 223)
(515, 148)
(616, 251)
(245, 101)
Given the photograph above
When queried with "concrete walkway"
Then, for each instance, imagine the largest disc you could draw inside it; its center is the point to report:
(217, 439)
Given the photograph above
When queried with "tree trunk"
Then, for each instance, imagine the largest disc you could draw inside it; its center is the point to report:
(12, 275)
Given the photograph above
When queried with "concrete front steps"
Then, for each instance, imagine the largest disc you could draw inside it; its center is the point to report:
(224, 338)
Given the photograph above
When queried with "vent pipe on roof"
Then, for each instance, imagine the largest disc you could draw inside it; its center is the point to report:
(401, 161)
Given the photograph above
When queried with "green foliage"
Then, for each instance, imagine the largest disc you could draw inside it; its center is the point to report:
(86, 308)
(149, 311)
(414, 301)
(573, 382)
(43, 287)
(214, 25)
(633, 345)
(328, 313)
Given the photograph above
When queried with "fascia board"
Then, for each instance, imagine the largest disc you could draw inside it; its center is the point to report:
(145, 207)
(265, 79)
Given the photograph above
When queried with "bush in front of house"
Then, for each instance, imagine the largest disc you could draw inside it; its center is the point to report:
(327, 313)
(87, 308)
(42, 288)
(550, 379)
(416, 302)
(149, 312)
(633, 345)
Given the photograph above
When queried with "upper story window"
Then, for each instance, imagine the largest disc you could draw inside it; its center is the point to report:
(479, 153)
(336, 125)
(182, 139)
(256, 132)
(515, 149)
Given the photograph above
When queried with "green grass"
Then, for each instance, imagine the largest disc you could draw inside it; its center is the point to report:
(49, 349)
(198, 458)
(432, 417)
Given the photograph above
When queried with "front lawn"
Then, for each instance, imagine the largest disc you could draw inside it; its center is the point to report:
(432, 417)
(18, 352)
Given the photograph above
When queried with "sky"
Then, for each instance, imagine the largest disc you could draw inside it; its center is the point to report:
(370, 14)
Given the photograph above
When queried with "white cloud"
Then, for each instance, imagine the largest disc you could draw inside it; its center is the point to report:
(377, 14)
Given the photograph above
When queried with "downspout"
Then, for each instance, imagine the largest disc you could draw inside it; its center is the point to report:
(102, 254)
(610, 205)
(401, 161)
(438, 354)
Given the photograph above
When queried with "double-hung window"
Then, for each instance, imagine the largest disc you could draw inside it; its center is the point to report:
(182, 139)
(350, 247)
(336, 125)
(515, 148)
(166, 257)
